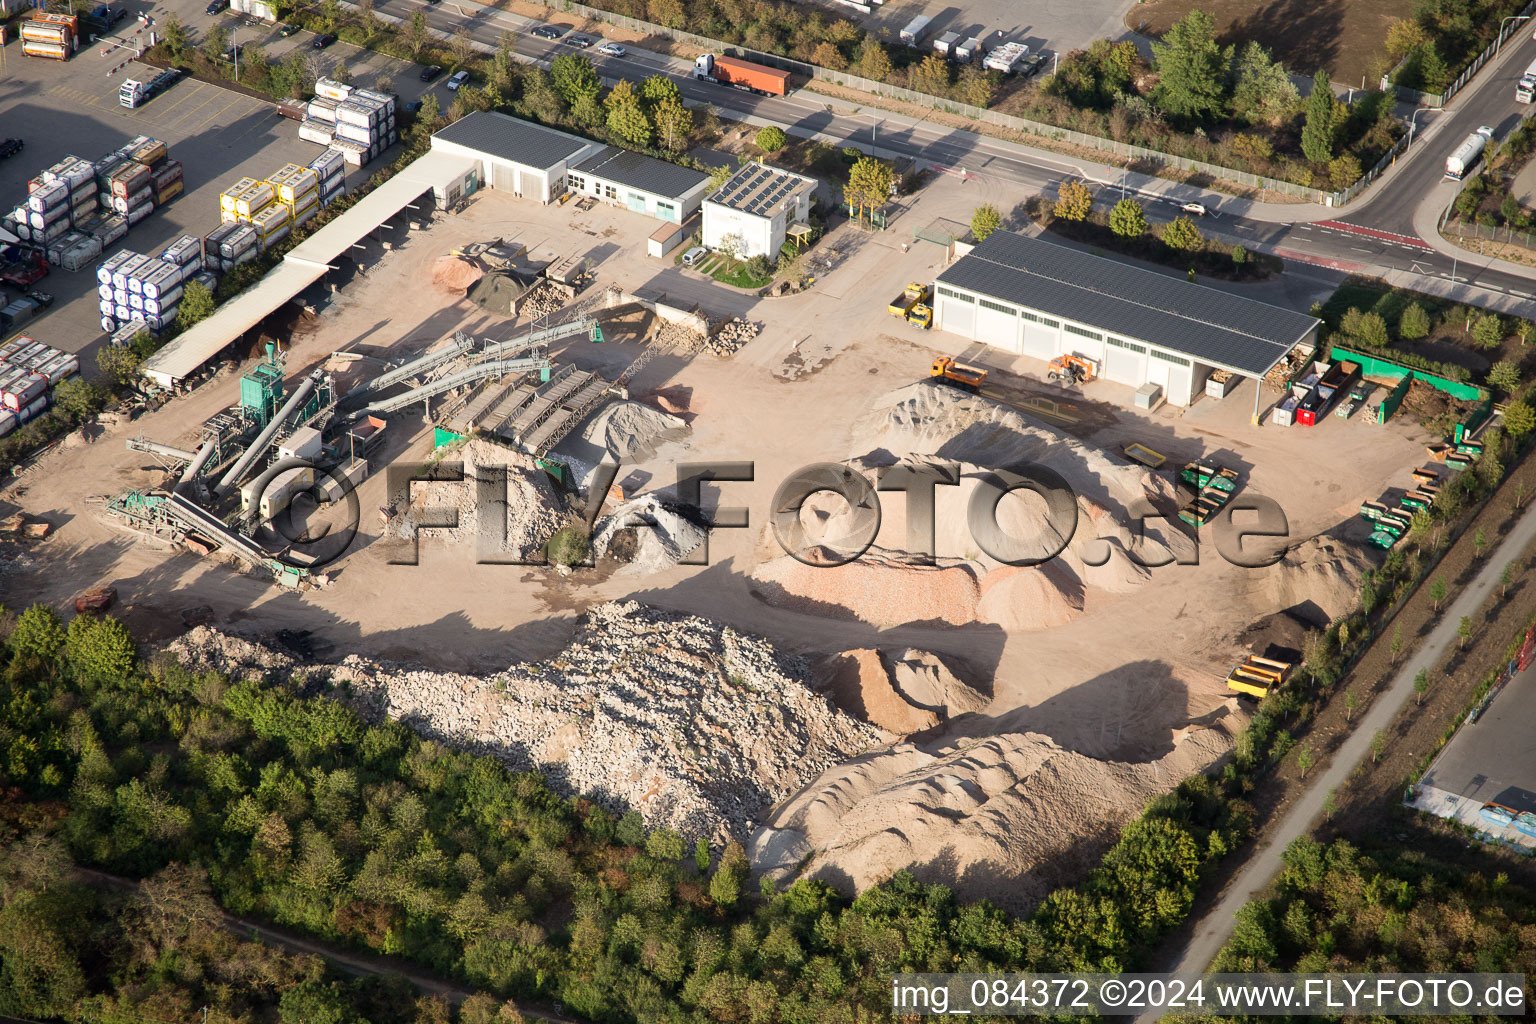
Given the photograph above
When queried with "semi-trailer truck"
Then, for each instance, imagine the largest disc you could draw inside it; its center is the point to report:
(1465, 156)
(1525, 88)
(741, 74)
(913, 32)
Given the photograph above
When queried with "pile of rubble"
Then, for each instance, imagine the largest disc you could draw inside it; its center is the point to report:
(1281, 373)
(676, 336)
(700, 728)
(516, 518)
(734, 335)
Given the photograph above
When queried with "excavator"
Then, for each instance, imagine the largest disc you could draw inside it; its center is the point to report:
(1068, 369)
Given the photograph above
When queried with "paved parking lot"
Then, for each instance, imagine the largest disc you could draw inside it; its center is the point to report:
(218, 134)
(1059, 25)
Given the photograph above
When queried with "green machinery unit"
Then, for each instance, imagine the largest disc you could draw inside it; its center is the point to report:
(261, 390)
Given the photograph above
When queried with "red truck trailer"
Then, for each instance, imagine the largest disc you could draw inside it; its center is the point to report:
(741, 74)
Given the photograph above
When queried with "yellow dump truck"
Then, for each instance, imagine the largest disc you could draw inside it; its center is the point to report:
(902, 304)
(1256, 676)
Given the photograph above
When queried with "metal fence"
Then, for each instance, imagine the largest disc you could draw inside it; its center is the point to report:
(1489, 233)
(992, 117)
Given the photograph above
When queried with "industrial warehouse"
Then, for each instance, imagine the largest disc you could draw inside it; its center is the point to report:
(541, 163)
(1035, 298)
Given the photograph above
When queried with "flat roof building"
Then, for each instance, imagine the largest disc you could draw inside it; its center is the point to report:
(752, 212)
(542, 163)
(1036, 298)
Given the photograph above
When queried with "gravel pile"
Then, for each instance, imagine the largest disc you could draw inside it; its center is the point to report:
(700, 728)
(650, 534)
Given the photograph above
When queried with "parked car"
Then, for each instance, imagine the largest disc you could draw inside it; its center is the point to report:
(693, 255)
(413, 106)
(217, 6)
(430, 72)
(287, 30)
(10, 147)
(323, 40)
(459, 78)
(109, 15)
(612, 49)
(580, 41)
(549, 31)
(1198, 209)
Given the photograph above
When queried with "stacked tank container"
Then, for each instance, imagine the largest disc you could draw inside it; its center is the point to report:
(54, 36)
(230, 245)
(330, 170)
(298, 188)
(132, 286)
(28, 372)
(76, 208)
(365, 126)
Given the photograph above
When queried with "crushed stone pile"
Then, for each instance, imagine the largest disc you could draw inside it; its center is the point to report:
(632, 431)
(454, 274)
(733, 335)
(544, 299)
(699, 727)
(650, 533)
(533, 510)
(499, 292)
(1006, 817)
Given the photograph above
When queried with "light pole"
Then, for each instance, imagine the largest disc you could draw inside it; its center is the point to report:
(1500, 44)
(1413, 122)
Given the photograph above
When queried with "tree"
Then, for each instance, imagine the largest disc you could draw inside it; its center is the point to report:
(1193, 69)
(568, 546)
(575, 78)
(77, 399)
(1253, 147)
(984, 220)
(1074, 201)
(1519, 420)
(99, 650)
(1523, 329)
(771, 139)
(1371, 330)
(1378, 745)
(976, 87)
(1509, 208)
(1506, 578)
(1437, 591)
(1305, 759)
(215, 42)
(1239, 256)
(174, 34)
(1413, 324)
(1434, 74)
(313, 1002)
(701, 856)
(426, 119)
(718, 176)
(1317, 135)
(931, 76)
(1464, 630)
(827, 55)
(1129, 220)
(341, 73)
(659, 89)
(39, 634)
(1330, 805)
(1396, 647)
(417, 33)
(120, 363)
(462, 46)
(1351, 704)
(670, 13)
(674, 125)
(1181, 233)
(1264, 93)
(1480, 542)
(626, 117)
(873, 63)
(1343, 171)
(1488, 331)
(1403, 37)
(1421, 685)
(869, 184)
(196, 305)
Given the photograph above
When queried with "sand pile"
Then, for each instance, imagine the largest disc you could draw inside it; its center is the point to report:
(1320, 576)
(499, 292)
(516, 517)
(1006, 817)
(901, 692)
(454, 274)
(879, 588)
(1030, 597)
(632, 431)
(698, 727)
(649, 533)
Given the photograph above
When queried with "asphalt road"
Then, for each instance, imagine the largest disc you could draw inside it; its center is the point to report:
(1214, 927)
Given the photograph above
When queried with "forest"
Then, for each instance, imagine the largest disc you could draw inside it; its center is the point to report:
(287, 809)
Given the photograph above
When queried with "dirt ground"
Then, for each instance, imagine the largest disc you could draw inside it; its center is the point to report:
(1343, 36)
(1124, 680)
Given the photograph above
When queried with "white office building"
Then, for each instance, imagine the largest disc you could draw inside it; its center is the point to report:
(755, 210)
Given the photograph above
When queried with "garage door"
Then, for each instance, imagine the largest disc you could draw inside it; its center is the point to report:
(997, 329)
(1180, 380)
(1173, 373)
(505, 176)
(957, 317)
(1125, 363)
(1039, 341)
